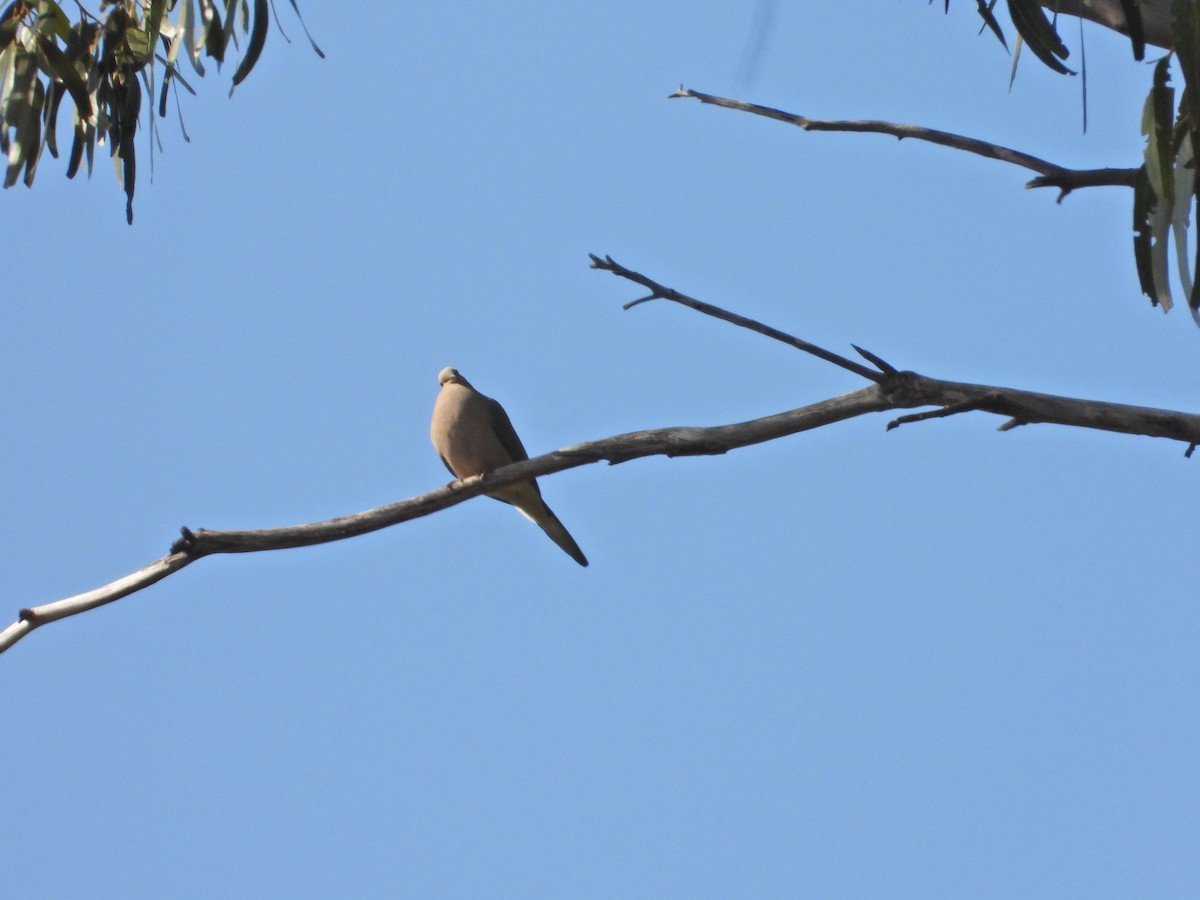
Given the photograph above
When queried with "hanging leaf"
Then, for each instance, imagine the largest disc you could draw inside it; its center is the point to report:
(985, 10)
(34, 137)
(1143, 208)
(1184, 176)
(214, 40)
(1185, 31)
(1031, 23)
(1157, 125)
(258, 38)
(153, 24)
(317, 49)
(102, 62)
(65, 72)
(50, 117)
(1016, 58)
(1158, 117)
(53, 21)
(129, 100)
(9, 20)
(1133, 24)
(21, 116)
(231, 11)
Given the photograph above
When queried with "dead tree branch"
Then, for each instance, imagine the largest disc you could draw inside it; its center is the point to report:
(1156, 16)
(891, 389)
(681, 441)
(1049, 174)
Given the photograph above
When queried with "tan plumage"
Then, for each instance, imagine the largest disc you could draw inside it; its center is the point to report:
(473, 435)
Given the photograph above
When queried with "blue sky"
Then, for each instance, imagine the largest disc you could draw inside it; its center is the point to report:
(939, 661)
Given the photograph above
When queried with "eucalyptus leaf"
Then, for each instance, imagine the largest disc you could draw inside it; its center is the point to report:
(1133, 23)
(1143, 207)
(258, 39)
(1031, 23)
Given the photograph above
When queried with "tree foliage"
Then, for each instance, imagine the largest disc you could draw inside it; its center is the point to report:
(107, 63)
(1165, 187)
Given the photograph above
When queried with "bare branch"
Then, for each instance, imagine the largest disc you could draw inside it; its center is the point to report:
(1051, 174)
(682, 441)
(660, 292)
(906, 390)
(892, 390)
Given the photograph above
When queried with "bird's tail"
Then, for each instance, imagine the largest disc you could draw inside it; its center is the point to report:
(526, 497)
(558, 533)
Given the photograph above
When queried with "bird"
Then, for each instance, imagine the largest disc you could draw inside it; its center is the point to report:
(473, 435)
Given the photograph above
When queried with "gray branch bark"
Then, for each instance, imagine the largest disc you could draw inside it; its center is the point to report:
(891, 389)
(1049, 174)
(1156, 16)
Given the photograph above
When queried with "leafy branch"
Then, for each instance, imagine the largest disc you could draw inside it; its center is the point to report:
(107, 64)
(1165, 185)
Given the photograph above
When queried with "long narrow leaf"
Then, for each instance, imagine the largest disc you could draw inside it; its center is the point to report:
(1158, 126)
(985, 10)
(65, 72)
(50, 117)
(158, 9)
(316, 49)
(258, 38)
(9, 20)
(1133, 24)
(1031, 22)
(1185, 179)
(36, 144)
(1018, 43)
(1143, 208)
(20, 115)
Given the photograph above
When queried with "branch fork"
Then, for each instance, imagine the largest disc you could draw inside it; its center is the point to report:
(889, 389)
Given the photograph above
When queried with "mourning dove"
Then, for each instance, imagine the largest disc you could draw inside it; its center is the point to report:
(473, 435)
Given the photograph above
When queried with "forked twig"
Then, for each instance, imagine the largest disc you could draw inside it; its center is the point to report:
(890, 389)
(1049, 174)
(661, 292)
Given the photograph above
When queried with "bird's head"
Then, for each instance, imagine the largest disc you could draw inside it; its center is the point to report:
(450, 376)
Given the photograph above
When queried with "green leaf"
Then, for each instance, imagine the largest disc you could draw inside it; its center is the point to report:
(985, 10)
(85, 141)
(1157, 124)
(214, 34)
(129, 104)
(181, 32)
(138, 43)
(66, 73)
(317, 49)
(1143, 207)
(258, 38)
(1031, 23)
(1185, 31)
(231, 10)
(158, 9)
(1016, 56)
(9, 20)
(1133, 22)
(50, 117)
(52, 20)
(1184, 176)
(20, 115)
(34, 137)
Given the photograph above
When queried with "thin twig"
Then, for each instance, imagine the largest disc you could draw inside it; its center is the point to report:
(1052, 174)
(661, 292)
(952, 409)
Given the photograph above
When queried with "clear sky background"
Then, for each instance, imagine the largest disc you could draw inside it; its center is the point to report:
(935, 662)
